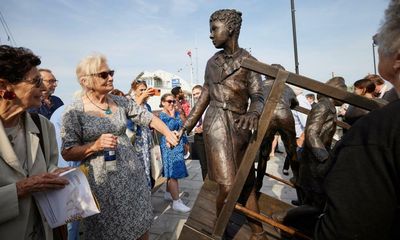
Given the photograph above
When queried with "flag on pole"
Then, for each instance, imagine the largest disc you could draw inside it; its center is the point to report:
(189, 53)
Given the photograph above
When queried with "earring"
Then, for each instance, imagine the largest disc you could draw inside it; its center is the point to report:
(9, 95)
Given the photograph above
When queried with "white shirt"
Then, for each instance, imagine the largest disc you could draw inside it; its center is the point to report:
(300, 119)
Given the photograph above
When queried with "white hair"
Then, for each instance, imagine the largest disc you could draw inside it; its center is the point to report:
(388, 37)
(87, 66)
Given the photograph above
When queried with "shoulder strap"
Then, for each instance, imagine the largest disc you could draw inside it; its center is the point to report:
(36, 119)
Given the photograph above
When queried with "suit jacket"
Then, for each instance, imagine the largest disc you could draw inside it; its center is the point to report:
(363, 185)
(14, 211)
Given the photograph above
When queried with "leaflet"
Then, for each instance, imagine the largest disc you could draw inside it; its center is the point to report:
(74, 202)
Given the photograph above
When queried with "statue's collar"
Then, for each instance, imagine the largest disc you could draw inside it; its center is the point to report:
(230, 62)
(223, 57)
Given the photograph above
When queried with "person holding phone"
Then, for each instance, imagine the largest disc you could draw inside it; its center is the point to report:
(142, 141)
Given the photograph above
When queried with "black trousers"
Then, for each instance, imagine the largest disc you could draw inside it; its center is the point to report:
(199, 151)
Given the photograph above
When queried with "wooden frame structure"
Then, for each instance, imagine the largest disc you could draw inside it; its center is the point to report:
(202, 223)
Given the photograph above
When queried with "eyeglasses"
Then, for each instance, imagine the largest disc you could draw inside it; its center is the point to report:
(103, 75)
(37, 81)
(52, 81)
(171, 101)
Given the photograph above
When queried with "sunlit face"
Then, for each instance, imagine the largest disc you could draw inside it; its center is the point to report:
(29, 91)
(103, 85)
(49, 82)
(169, 103)
(219, 34)
(141, 88)
(196, 93)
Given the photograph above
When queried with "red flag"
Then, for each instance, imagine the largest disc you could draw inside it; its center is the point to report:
(189, 53)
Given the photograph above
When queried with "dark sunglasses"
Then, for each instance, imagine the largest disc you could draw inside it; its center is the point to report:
(171, 101)
(103, 75)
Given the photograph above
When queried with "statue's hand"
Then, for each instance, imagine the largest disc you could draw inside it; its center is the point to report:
(248, 121)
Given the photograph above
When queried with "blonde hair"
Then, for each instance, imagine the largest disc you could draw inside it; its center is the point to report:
(88, 66)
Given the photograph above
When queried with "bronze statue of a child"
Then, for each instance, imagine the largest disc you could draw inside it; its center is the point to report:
(229, 119)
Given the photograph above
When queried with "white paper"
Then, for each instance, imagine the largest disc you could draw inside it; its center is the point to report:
(74, 202)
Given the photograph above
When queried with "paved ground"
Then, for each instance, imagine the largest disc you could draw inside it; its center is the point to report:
(168, 223)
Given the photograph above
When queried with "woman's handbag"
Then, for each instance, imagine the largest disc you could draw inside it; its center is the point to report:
(155, 158)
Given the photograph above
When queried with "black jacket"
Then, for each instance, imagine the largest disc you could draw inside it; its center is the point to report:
(363, 185)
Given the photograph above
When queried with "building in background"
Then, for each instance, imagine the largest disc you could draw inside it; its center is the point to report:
(164, 81)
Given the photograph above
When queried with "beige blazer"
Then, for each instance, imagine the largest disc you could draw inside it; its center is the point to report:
(14, 211)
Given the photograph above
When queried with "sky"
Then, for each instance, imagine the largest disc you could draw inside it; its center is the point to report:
(334, 37)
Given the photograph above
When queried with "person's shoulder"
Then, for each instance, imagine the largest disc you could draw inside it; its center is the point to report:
(246, 54)
(75, 106)
(56, 99)
(323, 104)
(162, 115)
(119, 100)
(213, 58)
(44, 122)
(57, 113)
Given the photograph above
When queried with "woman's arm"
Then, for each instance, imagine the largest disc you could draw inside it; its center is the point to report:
(160, 126)
(81, 152)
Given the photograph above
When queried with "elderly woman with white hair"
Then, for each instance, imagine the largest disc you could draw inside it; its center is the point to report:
(363, 185)
(93, 126)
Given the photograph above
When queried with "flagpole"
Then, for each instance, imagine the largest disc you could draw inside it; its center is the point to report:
(189, 53)
(191, 78)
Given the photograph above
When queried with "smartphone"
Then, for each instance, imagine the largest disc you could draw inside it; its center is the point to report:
(155, 92)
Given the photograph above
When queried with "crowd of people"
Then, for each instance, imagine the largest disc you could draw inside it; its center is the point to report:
(95, 122)
(353, 188)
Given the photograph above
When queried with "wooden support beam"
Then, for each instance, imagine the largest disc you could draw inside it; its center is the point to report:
(313, 85)
(280, 180)
(265, 219)
(250, 154)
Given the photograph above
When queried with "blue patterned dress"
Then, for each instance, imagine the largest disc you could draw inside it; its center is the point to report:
(173, 162)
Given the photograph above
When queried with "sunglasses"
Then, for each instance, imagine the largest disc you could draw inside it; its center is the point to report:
(104, 75)
(171, 101)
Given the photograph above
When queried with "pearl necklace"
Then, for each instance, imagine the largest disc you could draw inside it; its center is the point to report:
(107, 111)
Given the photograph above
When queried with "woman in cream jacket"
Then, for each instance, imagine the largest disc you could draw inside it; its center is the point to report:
(24, 167)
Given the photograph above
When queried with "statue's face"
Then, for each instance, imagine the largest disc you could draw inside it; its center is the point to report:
(219, 33)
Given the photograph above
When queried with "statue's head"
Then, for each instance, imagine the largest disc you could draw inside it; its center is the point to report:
(224, 25)
(339, 83)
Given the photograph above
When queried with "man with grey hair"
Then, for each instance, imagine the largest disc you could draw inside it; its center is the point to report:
(50, 103)
(363, 185)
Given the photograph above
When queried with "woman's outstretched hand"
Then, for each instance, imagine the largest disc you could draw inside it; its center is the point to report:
(171, 138)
